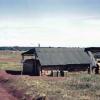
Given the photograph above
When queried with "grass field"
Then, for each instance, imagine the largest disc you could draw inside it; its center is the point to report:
(76, 86)
(10, 60)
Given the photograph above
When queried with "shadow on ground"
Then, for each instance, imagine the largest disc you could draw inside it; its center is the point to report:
(13, 72)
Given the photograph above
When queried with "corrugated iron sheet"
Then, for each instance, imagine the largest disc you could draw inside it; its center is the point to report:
(62, 56)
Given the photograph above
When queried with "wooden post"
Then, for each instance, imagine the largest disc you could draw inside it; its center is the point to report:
(41, 70)
(22, 64)
(35, 64)
(89, 70)
(97, 69)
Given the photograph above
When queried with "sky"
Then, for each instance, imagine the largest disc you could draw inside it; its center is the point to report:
(58, 23)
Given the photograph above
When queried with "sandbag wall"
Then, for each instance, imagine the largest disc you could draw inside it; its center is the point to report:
(59, 73)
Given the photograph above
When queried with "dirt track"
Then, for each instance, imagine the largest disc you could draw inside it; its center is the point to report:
(4, 95)
(9, 60)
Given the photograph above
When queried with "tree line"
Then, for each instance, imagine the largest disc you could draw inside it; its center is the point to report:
(16, 48)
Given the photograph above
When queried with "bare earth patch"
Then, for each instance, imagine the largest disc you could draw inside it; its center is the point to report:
(7, 59)
(4, 95)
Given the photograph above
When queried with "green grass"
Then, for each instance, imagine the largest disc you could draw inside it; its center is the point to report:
(10, 66)
(11, 60)
(9, 54)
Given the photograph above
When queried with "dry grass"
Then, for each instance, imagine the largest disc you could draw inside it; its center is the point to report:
(77, 87)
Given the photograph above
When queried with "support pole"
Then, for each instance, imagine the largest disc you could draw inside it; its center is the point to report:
(89, 70)
(41, 70)
(35, 65)
(22, 64)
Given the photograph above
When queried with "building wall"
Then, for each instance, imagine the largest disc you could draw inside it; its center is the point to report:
(47, 70)
(78, 67)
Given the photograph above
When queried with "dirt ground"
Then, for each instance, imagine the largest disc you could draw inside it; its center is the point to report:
(4, 94)
(8, 59)
(8, 92)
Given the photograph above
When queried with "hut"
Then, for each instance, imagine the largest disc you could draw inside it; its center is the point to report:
(46, 59)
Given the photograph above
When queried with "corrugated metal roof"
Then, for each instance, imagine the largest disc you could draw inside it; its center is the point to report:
(29, 52)
(62, 56)
(93, 49)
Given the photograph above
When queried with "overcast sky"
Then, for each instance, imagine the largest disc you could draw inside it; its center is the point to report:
(50, 23)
